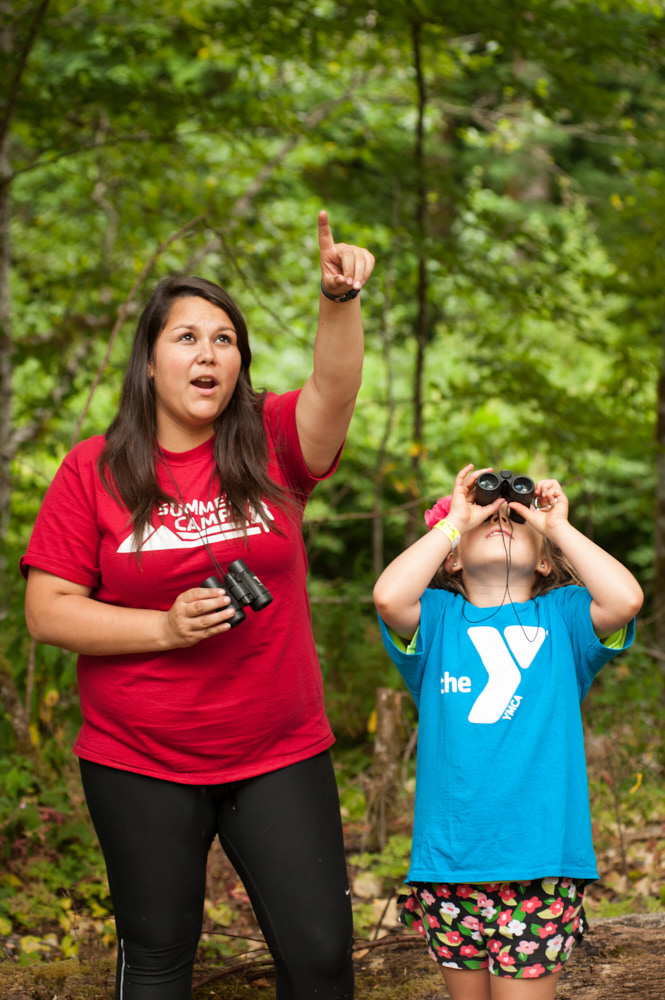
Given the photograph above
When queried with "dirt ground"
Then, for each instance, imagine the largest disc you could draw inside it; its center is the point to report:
(620, 958)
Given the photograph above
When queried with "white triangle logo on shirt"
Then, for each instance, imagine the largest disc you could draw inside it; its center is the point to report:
(190, 535)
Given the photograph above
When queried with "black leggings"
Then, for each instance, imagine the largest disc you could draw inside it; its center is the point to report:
(283, 834)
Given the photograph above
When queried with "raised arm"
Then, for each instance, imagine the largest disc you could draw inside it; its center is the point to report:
(398, 590)
(326, 403)
(616, 595)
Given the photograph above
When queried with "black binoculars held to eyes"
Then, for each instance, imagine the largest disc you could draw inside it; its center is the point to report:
(491, 486)
(243, 588)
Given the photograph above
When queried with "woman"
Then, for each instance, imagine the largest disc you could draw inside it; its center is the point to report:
(191, 728)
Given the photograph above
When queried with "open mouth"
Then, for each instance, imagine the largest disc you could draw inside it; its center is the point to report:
(205, 382)
(499, 531)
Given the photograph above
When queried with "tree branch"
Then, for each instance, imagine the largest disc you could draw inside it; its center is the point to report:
(365, 515)
(15, 83)
(122, 313)
(27, 432)
(489, 119)
(246, 199)
(87, 147)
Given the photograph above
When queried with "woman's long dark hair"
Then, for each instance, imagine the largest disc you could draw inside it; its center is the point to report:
(127, 463)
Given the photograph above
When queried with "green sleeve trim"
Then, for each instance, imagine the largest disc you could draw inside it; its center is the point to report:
(617, 640)
(404, 645)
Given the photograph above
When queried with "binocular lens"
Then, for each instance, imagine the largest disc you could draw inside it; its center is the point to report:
(522, 484)
(518, 489)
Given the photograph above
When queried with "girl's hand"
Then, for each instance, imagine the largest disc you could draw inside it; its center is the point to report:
(464, 512)
(342, 266)
(550, 509)
(195, 615)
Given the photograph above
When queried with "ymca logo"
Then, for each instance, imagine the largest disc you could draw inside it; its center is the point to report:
(503, 657)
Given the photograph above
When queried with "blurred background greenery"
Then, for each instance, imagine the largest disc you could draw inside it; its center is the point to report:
(504, 163)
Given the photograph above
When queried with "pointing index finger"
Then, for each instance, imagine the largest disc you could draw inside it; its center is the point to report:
(326, 241)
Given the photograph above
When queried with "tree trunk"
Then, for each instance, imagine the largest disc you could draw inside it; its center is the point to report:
(382, 799)
(14, 52)
(16, 712)
(5, 324)
(413, 525)
(659, 514)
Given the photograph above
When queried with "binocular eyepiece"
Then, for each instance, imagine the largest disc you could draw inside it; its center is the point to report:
(519, 489)
(243, 588)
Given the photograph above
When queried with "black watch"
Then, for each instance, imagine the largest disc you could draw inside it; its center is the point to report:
(351, 294)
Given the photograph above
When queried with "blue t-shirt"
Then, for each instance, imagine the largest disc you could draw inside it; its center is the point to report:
(501, 783)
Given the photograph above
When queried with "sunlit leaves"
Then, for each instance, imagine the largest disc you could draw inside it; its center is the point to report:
(542, 128)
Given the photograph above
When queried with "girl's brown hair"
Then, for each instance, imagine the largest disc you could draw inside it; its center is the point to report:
(127, 463)
(562, 574)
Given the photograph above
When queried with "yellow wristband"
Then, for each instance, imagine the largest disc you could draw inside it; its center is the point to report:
(450, 531)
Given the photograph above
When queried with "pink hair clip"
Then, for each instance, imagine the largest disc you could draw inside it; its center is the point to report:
(437, 513)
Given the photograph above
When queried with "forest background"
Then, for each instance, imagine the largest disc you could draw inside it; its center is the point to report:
(504, 162)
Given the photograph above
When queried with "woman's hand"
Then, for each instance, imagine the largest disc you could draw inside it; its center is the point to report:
(325, 405)
(342, 266)
(62, 613)
(195, 615)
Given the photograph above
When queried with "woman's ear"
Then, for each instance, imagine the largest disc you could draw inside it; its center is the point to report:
(544, 567)
(150, 368)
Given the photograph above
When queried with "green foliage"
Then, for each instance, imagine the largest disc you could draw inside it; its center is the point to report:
(33, 810)
(630, 903)
(391, 863)
(541, 239)
(629, 688)
(52, 867)
(351, 654)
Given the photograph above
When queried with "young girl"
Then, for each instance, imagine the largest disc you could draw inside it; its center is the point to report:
(499, 619)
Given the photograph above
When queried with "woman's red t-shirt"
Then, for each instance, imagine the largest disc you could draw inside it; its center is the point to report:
(238, 704)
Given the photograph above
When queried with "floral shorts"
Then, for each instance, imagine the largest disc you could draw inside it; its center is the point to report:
(516, 929)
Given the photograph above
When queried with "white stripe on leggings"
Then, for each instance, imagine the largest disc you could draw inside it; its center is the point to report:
(122, 975)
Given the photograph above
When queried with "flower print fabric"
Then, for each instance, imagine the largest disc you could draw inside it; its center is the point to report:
(519, 930)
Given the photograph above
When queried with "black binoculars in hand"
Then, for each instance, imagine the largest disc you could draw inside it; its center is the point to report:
(243, 588)
(491, 486)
